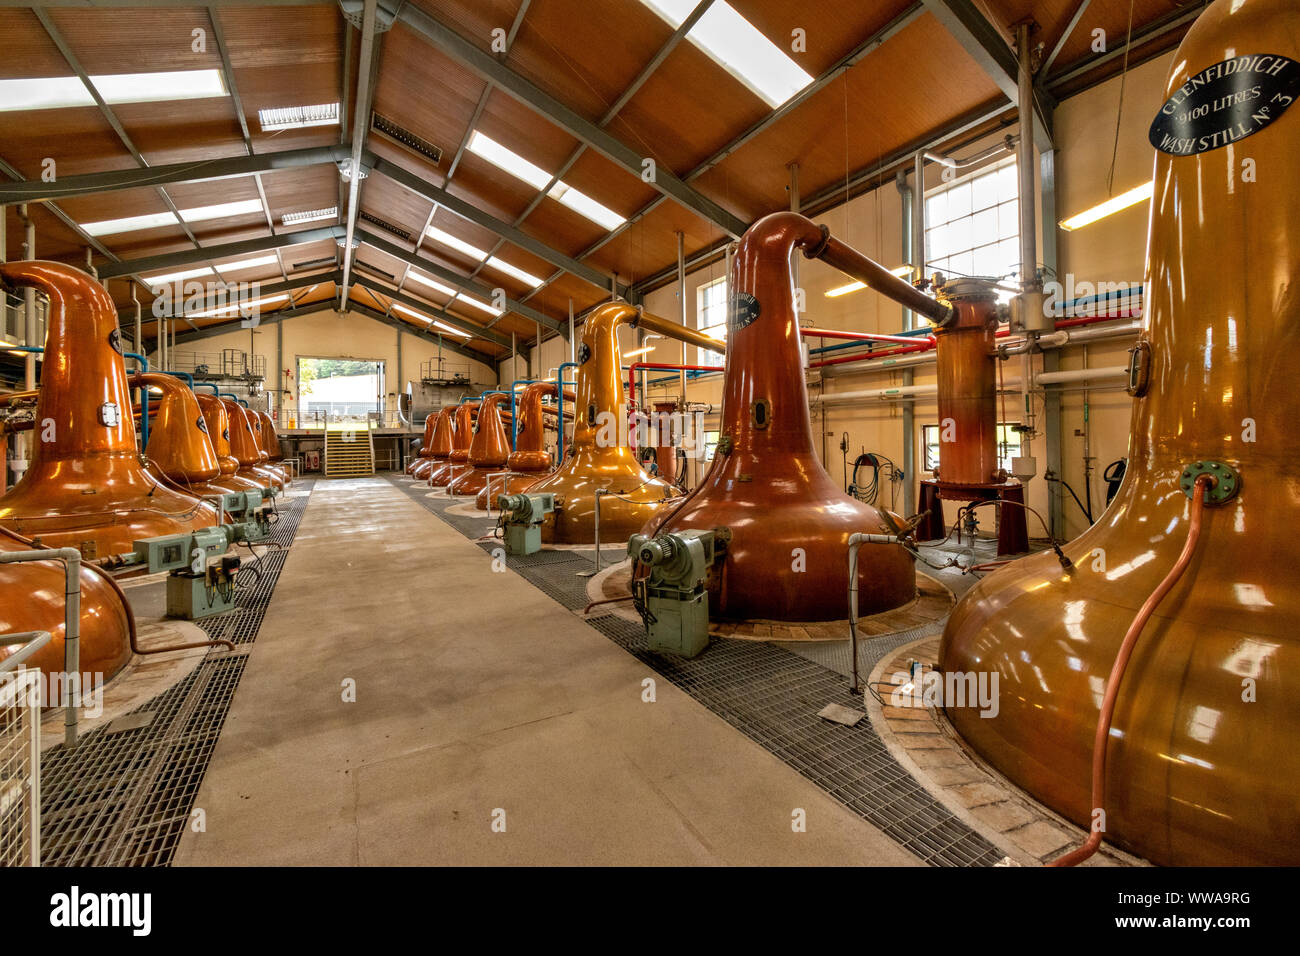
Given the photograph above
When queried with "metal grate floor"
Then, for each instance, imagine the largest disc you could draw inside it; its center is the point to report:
(772, 696)
(125, 798)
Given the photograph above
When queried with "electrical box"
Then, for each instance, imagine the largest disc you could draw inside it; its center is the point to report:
(522, 516)
(673, 598)
(195, 596)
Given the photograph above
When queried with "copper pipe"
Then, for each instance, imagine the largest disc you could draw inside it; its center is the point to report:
(1203, 484)
(855, 265)
(675, 330)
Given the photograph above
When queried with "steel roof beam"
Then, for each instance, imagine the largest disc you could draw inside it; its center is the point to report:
(422, 187)
(454, 279)
(228, 251)
(428, 308)
(89, 184)
(489, 68)
(448, 342)
(989, 48)
(213, 301)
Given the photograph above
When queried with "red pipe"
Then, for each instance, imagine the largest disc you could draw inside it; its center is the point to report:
(1075, 857)
(862, 356)
(865, 336)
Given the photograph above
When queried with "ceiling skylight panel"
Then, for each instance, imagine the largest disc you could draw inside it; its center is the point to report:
(481, 255)
(60, 92)
(511, 162)
(739, 47)
(456, 296)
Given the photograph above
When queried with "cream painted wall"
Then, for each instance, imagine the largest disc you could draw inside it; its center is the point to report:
(331, 335)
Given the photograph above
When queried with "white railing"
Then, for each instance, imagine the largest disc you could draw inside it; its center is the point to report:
(20, 754)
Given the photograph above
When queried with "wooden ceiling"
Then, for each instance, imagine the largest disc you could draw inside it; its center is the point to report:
(688, 114)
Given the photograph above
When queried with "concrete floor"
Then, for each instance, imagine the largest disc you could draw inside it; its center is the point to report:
(476, 693)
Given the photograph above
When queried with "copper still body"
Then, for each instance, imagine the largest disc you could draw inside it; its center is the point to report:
(1201, 764)
(425, 453)
(530, 461)
(488, 450)
(666, 449)
(217, 420)
(179, 448)
(601, 458)
(790, 523)
(87, 486)
(271, 444)
(247, 448)
(461, 437)
(31, 599)
(439, 445)
(967, 376)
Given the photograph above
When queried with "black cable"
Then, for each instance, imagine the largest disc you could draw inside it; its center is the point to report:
(1114, 476)
(1087, 512)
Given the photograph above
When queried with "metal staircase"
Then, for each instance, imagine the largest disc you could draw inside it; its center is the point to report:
(349, 454)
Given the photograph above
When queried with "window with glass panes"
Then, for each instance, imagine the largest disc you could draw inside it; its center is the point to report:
(1008, 444)
(972, 227)
(711, 316)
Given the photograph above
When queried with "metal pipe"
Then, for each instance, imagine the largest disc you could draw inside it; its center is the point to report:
(856, 541)
(559, 391)
(1081, 375)
(1029, 281)
(681, 301)
(32, 642)
(138, 338)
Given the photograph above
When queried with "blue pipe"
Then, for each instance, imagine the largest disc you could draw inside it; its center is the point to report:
(514, 419)
(189, 379)
(233, 397)
(144, 398)
(559, 391)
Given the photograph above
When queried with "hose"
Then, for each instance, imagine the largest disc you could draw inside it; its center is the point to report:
(1077, 856)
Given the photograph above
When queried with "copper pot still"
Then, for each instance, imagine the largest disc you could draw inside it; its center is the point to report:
(424, 453)
(530, 461)
(87, 486)
(31, 599)
(967, 378)
(462, 436)
(179, 449)
(790, 522)
(439, 444)
(246, 446)
(1202, 764)
(271, 444)
(488, 450)
(601, 458)
(217, 420)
